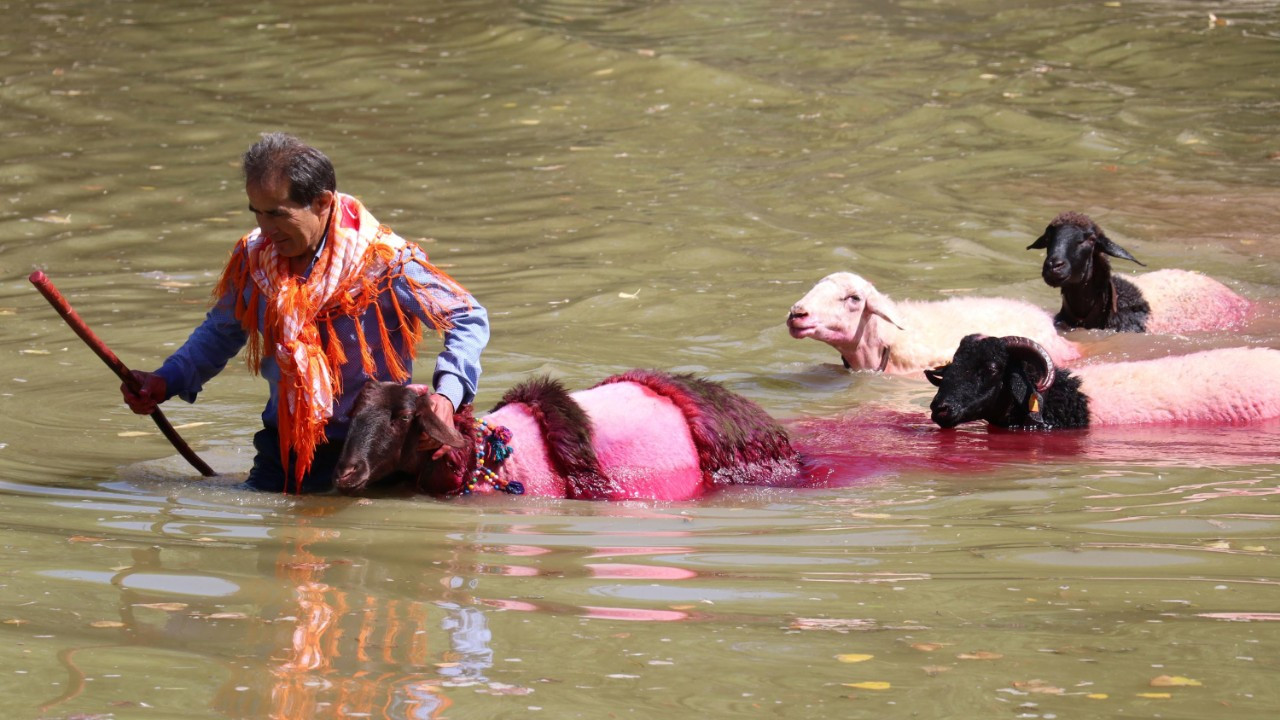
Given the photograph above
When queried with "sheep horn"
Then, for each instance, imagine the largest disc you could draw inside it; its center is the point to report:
(1032, 350)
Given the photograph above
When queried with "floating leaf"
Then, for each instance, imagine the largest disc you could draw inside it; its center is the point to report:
(33, 351)
(1038, 686)
(15, 621)
(133, 433)
(84, 538)
(55, 219)
(227, 616)
(630, 296)
(1174, 681)
(1155, 696)
(166, 606)
(853, 657)
(926, 647)
(185, 426)
(932, 670)
(869, 685)
(980, 655)
(1097, 696)
(106, 624)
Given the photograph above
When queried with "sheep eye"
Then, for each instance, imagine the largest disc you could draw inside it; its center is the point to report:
(993, 368)
(853, 297)
(402, 417)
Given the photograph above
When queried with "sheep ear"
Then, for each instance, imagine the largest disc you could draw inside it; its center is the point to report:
(1105, 244)
(1019, 386)
(432, 427)
(1041, 242)
(872, 305)
(936, 374)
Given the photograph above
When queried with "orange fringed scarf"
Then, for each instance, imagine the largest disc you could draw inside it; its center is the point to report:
(359, 261)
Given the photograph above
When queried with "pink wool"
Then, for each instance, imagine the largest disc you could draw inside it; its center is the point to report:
(1185, 301)
(1228, 386)
(659, 463)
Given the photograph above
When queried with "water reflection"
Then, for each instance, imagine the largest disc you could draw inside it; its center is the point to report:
(332, 636)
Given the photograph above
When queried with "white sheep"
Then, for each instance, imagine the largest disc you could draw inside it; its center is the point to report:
(1164, 301)
(873, 332)
(1012, 382)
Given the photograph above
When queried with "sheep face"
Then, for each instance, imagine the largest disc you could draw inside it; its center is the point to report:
(1000, 380)
(833, 310)
(1072, 244)
(392, 429)
(972, 385)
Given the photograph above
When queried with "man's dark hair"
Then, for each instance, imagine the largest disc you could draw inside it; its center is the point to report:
(280, 156)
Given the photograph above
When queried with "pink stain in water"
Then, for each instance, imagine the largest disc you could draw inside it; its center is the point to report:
(877, 443)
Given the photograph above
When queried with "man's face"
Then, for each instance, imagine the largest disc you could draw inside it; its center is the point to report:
(295, 230)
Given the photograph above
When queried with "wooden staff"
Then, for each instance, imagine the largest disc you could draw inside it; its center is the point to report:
(59, 303)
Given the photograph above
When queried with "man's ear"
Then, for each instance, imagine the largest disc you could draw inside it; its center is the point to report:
(322, 202)
(432, 427)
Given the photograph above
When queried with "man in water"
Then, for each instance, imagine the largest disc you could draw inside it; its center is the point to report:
(325, 297)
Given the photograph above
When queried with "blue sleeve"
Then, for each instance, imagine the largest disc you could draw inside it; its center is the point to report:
(204, 354)
(457, 370)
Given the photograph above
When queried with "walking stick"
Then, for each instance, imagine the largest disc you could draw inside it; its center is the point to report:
(59, 303)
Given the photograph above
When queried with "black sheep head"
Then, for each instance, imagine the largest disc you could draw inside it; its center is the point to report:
(1000, 380)
(1073, 243)
(392, 429)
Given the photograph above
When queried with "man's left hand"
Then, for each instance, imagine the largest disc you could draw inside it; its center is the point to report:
(441, 407)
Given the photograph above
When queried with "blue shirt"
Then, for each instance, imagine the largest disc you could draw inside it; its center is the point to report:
(457, 371)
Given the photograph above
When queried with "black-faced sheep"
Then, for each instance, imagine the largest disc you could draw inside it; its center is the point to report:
(872, 332)
(642, 434)
(1011, 382)
(1164, 301)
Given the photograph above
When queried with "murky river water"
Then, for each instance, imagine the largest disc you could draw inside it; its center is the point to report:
(640, 184)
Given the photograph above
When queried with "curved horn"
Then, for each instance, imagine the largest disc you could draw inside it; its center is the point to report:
(1031, 350)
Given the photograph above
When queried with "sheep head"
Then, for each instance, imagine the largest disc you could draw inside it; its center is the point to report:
(392, 429)
(837, 310)
(1073, 244)
(993, 379)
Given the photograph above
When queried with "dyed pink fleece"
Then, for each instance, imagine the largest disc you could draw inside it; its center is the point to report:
(641, 440)
(1230, 386)
(1184, 301)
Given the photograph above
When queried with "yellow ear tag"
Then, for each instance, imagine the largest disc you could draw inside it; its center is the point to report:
(1033, 404)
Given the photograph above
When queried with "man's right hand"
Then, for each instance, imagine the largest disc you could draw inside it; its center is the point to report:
(151, 392)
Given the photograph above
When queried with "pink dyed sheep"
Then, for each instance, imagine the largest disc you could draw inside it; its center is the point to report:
(1012, 382)
(873, 332)
(642, 434)
(1164, 301)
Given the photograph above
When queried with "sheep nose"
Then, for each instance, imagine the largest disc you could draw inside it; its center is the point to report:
(942, 414)
(351, 477)
(797, 312)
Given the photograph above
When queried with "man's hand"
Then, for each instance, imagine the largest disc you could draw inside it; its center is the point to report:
(151, 392)
(441, 407)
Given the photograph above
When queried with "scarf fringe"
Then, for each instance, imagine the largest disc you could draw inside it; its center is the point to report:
(301, 426)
